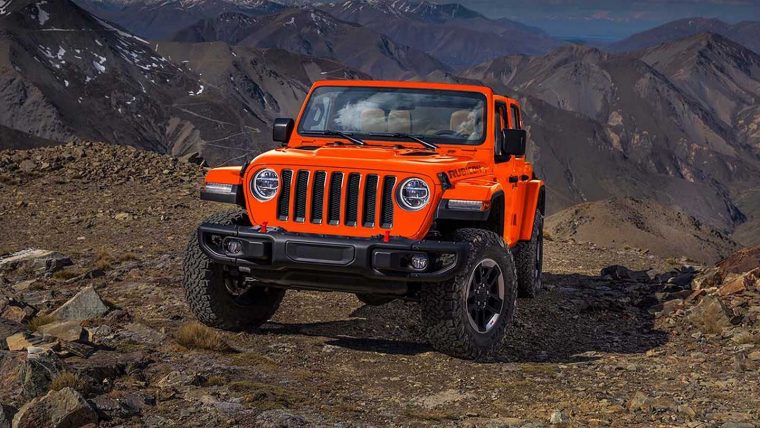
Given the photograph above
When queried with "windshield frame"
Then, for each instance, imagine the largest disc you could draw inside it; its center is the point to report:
(375, 137)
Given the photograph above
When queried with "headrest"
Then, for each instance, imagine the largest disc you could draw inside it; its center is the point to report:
(373, 120)
(400, 121)
(463, 122)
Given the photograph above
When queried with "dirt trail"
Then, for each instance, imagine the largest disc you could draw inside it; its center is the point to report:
(588, 351)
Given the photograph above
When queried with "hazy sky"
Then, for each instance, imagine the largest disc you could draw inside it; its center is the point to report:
(610, 19)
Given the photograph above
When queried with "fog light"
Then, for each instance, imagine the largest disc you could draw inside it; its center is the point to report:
(233, 246)
(419, 262)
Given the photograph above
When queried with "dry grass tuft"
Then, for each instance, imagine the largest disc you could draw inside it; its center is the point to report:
(266, 396)
(68, 379)
(195, 335)
(39, 321)
(252, 359)
(103, 260)
(432, 415)
(215, 380)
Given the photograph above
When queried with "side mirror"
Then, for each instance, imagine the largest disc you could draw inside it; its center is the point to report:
(282, 129)
(513, 142)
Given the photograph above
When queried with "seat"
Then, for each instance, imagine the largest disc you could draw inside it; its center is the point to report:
(400, 121)
(373, 120)
(462, 122)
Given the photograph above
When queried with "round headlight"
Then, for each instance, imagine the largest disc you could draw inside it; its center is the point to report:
(265, 184)
(413, 194)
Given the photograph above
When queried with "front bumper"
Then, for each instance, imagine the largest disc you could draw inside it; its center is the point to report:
(308, 261)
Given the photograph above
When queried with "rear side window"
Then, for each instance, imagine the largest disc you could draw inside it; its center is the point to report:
(516, 124)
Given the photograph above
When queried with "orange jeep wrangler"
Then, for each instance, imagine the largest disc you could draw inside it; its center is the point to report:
(387, 190)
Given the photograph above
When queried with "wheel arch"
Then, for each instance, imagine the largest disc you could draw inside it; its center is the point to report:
(535, 199)
(491, 219)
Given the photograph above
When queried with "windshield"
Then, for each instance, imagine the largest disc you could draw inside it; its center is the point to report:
(439, 117)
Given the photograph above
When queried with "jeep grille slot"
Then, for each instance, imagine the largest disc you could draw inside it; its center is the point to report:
(283, 203)
(336, 186)
(302, 183)
(318, 197)
(352, 199)
(370, 200)
(386, 211)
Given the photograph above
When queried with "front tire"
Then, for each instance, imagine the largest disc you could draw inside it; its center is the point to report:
(467, 316)
(217, 295)
(529, 259)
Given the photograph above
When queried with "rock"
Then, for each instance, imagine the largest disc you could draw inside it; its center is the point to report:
(70, 331)
(17, 313)
(741, 261)
(731, 424)
(64, 408)
(670, 307)
(117, 407)
(622, 273)
(557, 418)
(710, 316)
(37, 373)
(681, 280)
(735, 284)
(27, 165)
(24, 285)
(8, 328)
(35, 259)
(75, 348)
(122, 216)
(639, 401)
(85, 305)
(754, 356)
(279, 419)
(711, 277)
(21, 341)
(95, 334)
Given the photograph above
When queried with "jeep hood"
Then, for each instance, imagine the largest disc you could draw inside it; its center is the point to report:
(375, 159)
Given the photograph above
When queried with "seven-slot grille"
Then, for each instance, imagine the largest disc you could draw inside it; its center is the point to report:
(351, 198)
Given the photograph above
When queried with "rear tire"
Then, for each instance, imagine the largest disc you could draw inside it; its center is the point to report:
(212, 292)
(529, 259)
(467, 316)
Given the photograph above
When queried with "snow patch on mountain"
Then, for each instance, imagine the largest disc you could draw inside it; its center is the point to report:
(42, 15)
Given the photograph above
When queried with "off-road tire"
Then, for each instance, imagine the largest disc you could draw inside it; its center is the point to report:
(444, 307)
(526, 252)
(207, 294)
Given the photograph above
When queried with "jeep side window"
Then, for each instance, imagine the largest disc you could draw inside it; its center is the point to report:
(515, 117)
(500, 122)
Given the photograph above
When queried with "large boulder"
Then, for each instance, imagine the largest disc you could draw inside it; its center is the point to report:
(59, 409)
(38, 372)
(741, 261)
(85, 305)
(711, 315)
(8, 328)
(36, 260)
(22, 341)
(70, 331)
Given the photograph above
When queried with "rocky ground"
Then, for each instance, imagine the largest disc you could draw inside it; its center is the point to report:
(94, 327)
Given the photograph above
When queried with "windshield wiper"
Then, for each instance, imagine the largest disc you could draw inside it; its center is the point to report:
(414, 138)
(334, 133)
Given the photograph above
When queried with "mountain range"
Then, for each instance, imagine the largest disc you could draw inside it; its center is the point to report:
(673, 121)
(745, 33)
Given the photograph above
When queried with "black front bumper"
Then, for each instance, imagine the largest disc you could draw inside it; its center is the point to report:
(327, 262)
